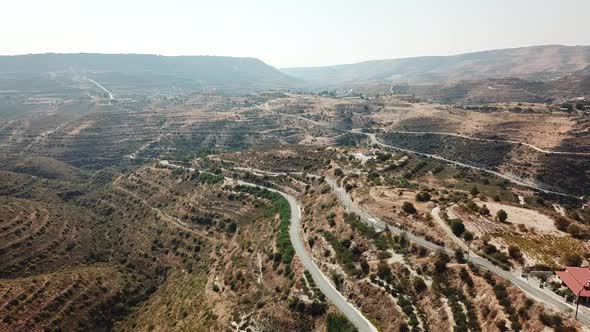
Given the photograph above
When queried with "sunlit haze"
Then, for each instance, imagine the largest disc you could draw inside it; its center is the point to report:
(294, 33)
(271, 165)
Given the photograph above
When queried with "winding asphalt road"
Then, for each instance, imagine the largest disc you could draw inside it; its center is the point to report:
(350, 206)
(514, 180)
(536, 148)
(321, 281)
(352, 313)
(529, 289)
(375, 141)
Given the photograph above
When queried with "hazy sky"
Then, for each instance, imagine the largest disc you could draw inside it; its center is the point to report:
(290, 33)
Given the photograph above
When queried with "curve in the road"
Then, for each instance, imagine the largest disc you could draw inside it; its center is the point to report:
(321, 281)
(379, 225)
(514, 180)
(525, 286)
(374, 140)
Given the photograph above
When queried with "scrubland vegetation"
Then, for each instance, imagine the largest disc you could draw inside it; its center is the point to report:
(98, 232)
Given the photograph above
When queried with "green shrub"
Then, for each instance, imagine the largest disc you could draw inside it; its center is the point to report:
(514, 252)
(468, 236)
(575, 230)
(408, 207)
(209, 178)
(423, 196)
(484, 211)
(572, 260)
(419, 285)
(177, 171)
(562, 224)
(457, 227)
(501, 215)
(466, 278)
(336, 322)
(550, 320)
(440, 264)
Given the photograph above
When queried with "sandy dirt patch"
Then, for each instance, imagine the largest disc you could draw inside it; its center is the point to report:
(532, 219)
(76, 130)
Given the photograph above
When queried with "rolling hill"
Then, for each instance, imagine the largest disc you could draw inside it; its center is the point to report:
(507, 89)
(531, 63)
(152, 71)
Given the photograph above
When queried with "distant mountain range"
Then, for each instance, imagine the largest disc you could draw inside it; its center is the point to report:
(529, 63)
(153, 71)
(241, 75)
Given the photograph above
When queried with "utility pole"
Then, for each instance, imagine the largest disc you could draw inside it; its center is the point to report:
(578, 303)
(586, 285)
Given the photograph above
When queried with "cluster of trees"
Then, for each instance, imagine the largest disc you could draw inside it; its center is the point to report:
(347, 255)
(440, 264)
(457, 301)
(482, 211)
(386, 279)
(336, 322)
(580, 106)
(207, 178)
(497, 257)
(554, 321)
(458, 228)
(381, 241)
(411, 173)
(383, 156)
(515, 253)
(281, 206)
(502, 297)
(575, 230)
(405, 291)
(315, 308)
(408, 310)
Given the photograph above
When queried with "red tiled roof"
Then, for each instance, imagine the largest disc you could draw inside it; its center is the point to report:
(575, 278)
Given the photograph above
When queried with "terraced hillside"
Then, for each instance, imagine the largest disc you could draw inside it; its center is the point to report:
(106, 135)
(497, 137)
(509, 89)
(118, 215)
(79, 298)
(151, 248)
(55, 268)
(396, 283)
(565, 173)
